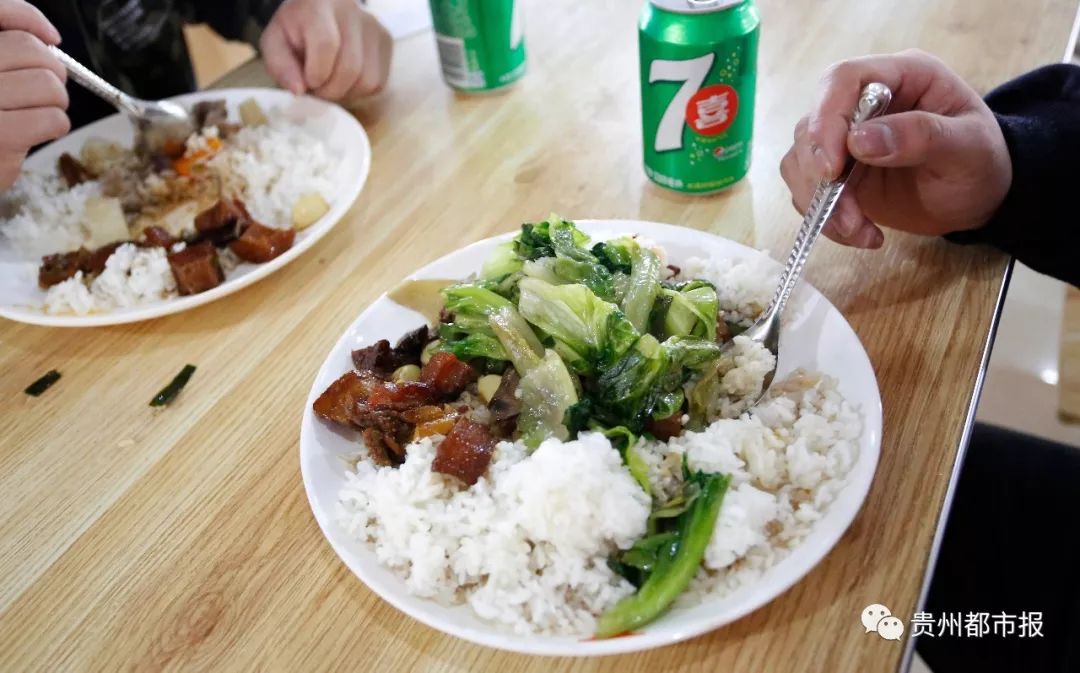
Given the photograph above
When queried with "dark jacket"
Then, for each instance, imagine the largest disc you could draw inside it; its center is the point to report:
(1039, 223)
(138, 44)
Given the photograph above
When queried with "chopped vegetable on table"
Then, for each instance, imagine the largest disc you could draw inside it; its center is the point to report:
(38, 387)
(169, 392)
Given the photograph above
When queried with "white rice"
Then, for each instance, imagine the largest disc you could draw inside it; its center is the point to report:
(745, 286)
(788, 457)
(526, 547)
(276, 163)
(39, 215)
(132, 276)
(269, 167)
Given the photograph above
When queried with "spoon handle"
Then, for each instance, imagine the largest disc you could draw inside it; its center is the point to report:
(873, 102)
(95, 84)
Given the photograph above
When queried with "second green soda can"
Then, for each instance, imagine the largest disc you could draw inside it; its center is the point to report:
(481, 42)
(698, 76)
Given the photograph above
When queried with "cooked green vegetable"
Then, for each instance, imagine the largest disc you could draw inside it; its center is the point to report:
(627, 392)
(470, 346)
(471, 333)
(626, 443)
(543, 238)
(667, 562)
(702, 393)
(169, 392)
(616, 254)
(502, 263)
(647, 382)
(518, 340)
(547, 392)
(695, 354)
(578, 416)
(630, 344)
(588, 331)
(574, 263)
(38, 387)
(533, 242)
(638, 562)
(590, 274)
(643, 287)
(691, 310)
(543, 269)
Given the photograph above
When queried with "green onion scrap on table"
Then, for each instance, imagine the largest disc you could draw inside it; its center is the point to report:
(169, 392)
(38, 387)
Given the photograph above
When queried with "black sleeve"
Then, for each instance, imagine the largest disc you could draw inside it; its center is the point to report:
(235, 20)
(1039, 222)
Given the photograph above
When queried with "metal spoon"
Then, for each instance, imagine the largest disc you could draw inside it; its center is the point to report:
(156, 122)
(873, 102)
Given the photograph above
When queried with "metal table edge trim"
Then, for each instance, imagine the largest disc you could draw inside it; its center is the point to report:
(954, 477)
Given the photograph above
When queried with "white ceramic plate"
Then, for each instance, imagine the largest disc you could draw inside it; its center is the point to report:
(816, 337)
(20, 297)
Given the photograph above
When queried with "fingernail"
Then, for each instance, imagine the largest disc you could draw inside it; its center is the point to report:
(846, 224)
(822, 163)
(873, 140)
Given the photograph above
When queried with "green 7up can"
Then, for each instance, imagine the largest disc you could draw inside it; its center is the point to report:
(698, 72)
(481, 42)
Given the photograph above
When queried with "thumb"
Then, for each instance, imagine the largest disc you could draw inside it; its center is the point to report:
(282, 62)
(913, 138)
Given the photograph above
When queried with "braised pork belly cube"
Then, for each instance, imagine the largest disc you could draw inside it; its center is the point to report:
(94, 262)
(157, 237)
(339, 400)
(55, 269)
(196, 268)
(260, 243)
(401, 396)
(466, 452)
(448, 375)
(222, 222)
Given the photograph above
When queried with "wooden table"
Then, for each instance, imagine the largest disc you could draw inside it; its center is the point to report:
(182, 539)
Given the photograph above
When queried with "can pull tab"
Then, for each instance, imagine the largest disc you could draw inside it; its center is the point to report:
(713, 4)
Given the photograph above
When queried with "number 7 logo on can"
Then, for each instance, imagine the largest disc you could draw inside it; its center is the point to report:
(692, 73)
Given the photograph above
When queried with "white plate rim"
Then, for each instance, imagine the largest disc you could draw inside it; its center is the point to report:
(313, 233)
(854, 491)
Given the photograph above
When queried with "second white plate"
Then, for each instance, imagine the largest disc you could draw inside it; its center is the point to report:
(20, 297)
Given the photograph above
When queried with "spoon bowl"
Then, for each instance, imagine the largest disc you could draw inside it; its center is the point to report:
(158, 123)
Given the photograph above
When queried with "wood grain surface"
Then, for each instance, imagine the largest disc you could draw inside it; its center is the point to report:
(182, 539)
(1069, 379)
